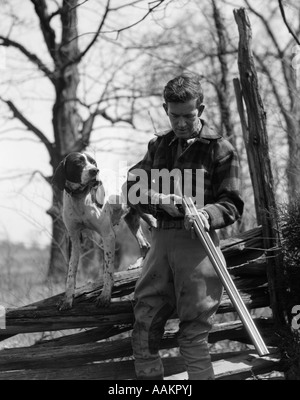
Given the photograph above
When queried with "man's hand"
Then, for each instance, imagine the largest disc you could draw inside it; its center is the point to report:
(189, 221)
(169, 203)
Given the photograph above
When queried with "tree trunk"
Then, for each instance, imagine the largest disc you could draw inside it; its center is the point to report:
(66, 125)
(222, 88)
(223, 95)
(259, 162)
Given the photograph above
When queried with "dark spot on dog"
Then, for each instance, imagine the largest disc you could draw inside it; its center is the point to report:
(74, 164)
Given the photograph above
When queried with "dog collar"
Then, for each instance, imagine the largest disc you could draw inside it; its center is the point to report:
(82, 188)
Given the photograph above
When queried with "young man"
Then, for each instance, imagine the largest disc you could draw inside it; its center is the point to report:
(177, 274)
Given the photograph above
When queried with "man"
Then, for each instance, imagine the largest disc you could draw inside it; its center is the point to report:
(177, 274)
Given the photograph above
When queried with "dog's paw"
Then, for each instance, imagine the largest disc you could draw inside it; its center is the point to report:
(65, 304)
(103, 300)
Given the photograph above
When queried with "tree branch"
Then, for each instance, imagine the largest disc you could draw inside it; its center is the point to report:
(152, 6)
(126, 5)
(110, 139)
(83, 53)
(88, 124)
(86, 130)
(268, 28)
(151, 9)
(31, 56)
(267, 72)
(285, 68)
(25, 174)
(286, 23)
(223, 92)
(48, 33)
(104, 114)
(17, 114)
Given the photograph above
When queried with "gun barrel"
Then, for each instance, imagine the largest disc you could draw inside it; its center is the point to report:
(225, 278)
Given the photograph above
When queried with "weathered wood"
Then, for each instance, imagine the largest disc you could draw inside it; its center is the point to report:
(256, 141)
(255, 298)
(235, 331)
(62, 357)
(100, 371)
(74, 356)
(37, 357)
(86, 314)
(88, 336)
(232, 330)
(44, 316)
(244, 248)
(45, 356)
(41, 319)
(237, 363)
(240, 365)
(256, 268)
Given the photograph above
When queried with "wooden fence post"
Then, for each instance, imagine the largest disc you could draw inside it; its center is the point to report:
(256, 142)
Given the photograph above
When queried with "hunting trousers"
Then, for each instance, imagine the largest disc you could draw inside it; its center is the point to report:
(176, 276)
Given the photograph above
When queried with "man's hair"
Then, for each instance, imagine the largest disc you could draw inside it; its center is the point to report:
(183, 88)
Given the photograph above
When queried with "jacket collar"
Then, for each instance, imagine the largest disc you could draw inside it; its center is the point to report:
(205, 135)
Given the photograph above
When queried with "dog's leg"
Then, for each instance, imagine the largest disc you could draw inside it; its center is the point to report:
(108, 274)
(67, 301)
(134, 223)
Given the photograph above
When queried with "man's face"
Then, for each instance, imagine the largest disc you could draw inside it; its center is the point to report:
(184, 118)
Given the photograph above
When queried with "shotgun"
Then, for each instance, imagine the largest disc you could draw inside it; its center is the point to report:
(220, 268)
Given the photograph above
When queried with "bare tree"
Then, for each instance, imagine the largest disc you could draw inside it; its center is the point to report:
(290, 29)
(222, 86)
(276, 63)
(66, 56)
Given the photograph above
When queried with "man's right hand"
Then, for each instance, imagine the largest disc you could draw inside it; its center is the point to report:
(169, 203)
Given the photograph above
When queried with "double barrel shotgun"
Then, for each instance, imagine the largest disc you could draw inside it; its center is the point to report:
(220, 268)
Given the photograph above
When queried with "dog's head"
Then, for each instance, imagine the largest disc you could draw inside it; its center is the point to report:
(78, 168)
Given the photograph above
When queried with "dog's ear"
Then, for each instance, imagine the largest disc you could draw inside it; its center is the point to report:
(90, 157)
(59, 177)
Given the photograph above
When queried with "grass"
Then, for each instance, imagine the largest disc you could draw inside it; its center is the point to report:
(23, 274)
(23, 280)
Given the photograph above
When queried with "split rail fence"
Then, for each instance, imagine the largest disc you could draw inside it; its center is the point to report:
(96, 342)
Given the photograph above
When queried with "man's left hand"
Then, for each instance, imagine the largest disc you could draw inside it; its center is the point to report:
(189, 222)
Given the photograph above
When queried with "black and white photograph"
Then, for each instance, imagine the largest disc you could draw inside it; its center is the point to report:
(150, 192)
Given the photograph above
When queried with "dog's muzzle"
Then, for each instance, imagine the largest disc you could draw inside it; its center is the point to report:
(93, 172)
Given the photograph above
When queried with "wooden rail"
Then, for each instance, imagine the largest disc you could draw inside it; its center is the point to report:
(88, 355)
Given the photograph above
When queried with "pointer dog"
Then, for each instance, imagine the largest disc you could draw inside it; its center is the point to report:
(84, 206)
